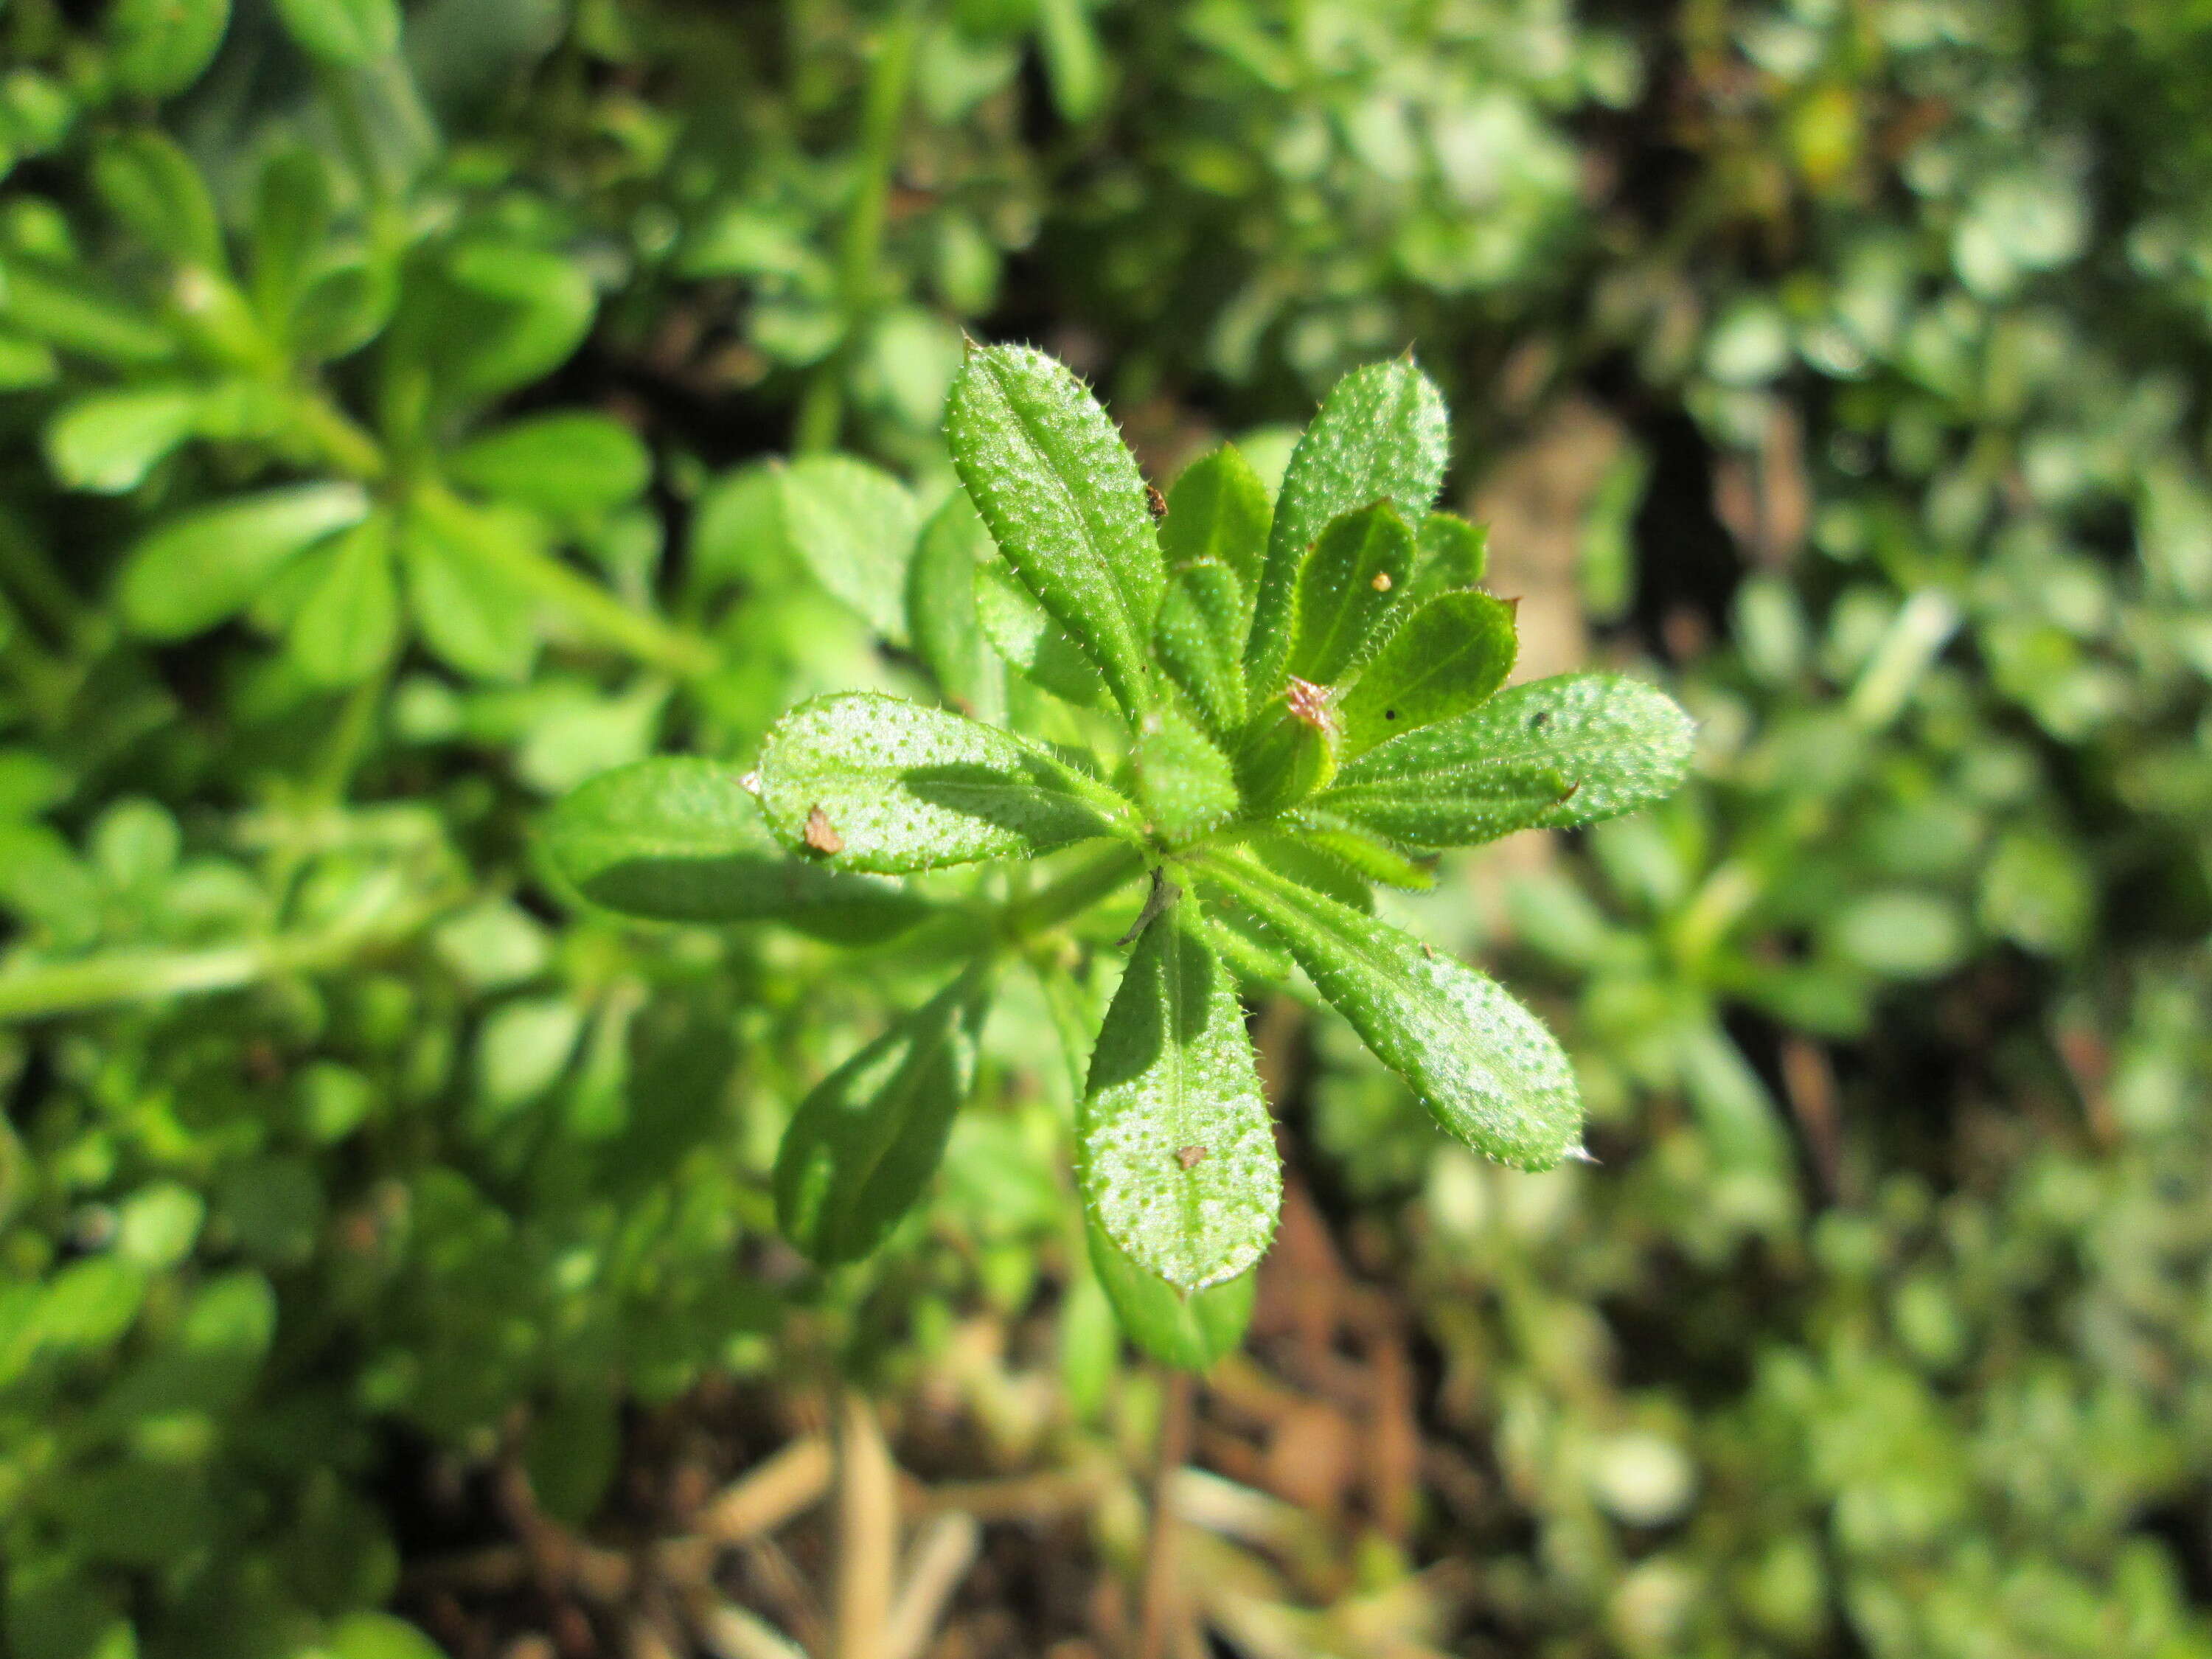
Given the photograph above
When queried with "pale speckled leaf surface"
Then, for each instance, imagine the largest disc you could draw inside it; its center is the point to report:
(1551, 754)
(1049, 473)
(1174, 1144)
(865, 1142)
(1189, 1331)
(897, 787)
(1183, 780)
(1485, 1066)
(1381, 434)
(680, 839)
(1443, 660)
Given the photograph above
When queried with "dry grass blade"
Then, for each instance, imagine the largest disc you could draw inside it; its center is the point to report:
(944, 1550)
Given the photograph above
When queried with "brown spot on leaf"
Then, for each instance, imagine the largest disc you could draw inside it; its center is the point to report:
(1190, 1156)
(821, 835)
(1381, 581)
(1155, 503)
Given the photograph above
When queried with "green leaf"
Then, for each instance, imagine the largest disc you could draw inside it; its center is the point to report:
(347, 32)
(1175, 1147)
(65, 308)
(941, 610)
(680, 839)
(159, 47)
(871, 782)
(1219, 511)
(1074, 66)
(1373, 858)
(201, 566)
(1381, 435)
(152, 186)
(855, 526)
(109, 440)
(473, 615)
(291, 215)
(1189, 1331)
(497, 315)
(1356, 574)
(1199, 640)
(1451, 554)
(1052, 477)
(1184, 782)
(1289, 752)
(348, 626)
(571, 465)
(1548, 755)
(865, 1143)
(378, 1636)
(1032, 644)
(1485, 1066)
(1443, 659)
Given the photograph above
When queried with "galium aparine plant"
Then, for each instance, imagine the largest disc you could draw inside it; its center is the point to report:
(1258, 707)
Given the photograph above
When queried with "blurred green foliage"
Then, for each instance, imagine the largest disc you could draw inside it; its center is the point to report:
(384, 403)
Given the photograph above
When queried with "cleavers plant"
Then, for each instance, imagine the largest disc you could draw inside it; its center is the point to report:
(1262, 707)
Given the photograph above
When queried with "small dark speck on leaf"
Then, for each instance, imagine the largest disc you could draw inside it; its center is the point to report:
(821, 835)
(1390, 714)
(1190, 1156)
(1155, 503)
(1540, 718)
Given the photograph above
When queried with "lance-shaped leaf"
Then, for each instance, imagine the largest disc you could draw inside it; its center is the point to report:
(1370, 854)
(1443, 660)
(1548, 755)
(872, 782)
(855, 526)
(1485, 1066)
(1218, 513)
(1189, 1332)
(1184, 781)
(1381, 435)
(1024, 633)
(941, 608)
(349, 625)
(1174, 1144)
(1451, 553)
(205, 565)
(1061, 494)
(865, 1143)
(1199, 640)
(1356, 574)
(680, 839)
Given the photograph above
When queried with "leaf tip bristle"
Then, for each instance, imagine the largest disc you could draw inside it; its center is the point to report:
(750, 783)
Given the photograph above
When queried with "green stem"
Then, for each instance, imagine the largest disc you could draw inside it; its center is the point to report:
(822, 413)
(123, 977)
(642, 633)
(1072, 895)
(343, 443)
